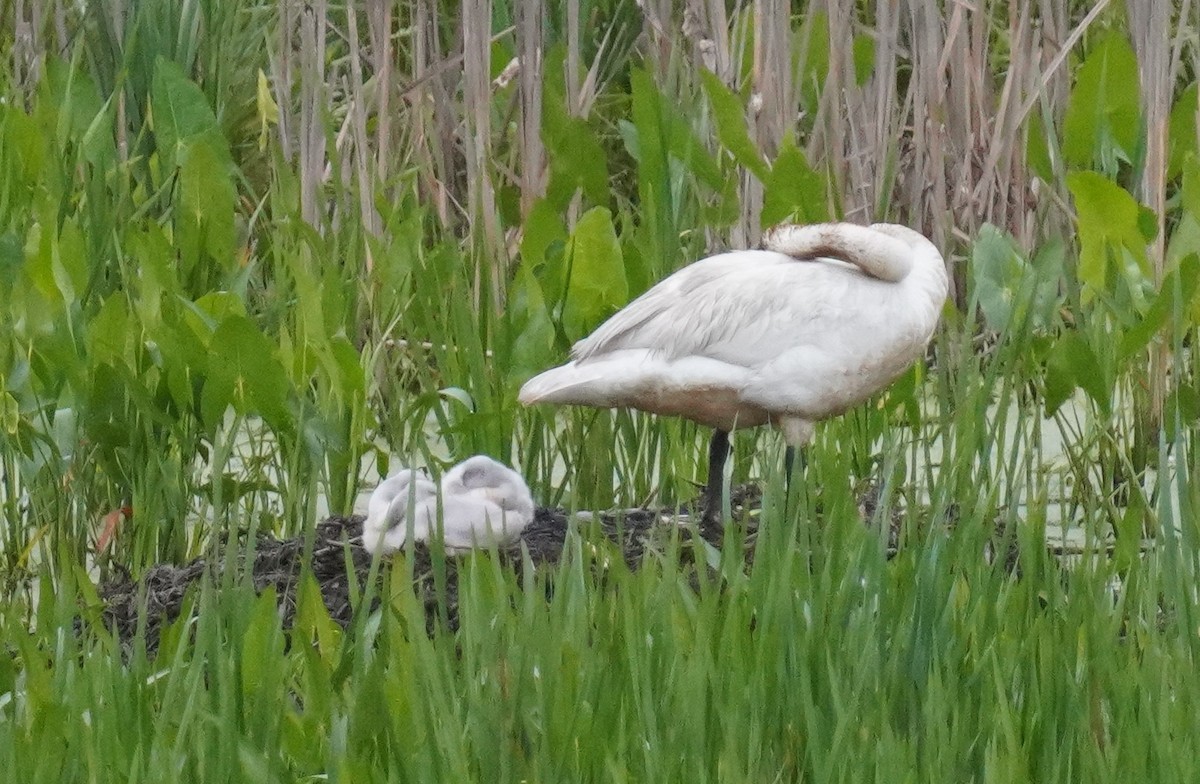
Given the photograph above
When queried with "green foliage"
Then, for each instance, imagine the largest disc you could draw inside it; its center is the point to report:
(1113, 232)
(223, 299)
(1010, 290)
(595, 285)
(1102, 121)
(794, 192)
(730, 119)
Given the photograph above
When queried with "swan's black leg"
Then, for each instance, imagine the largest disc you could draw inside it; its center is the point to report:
(789, 469)
(718, 451)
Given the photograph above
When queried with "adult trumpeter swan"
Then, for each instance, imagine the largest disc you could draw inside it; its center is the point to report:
(482, 502)
(813, 325)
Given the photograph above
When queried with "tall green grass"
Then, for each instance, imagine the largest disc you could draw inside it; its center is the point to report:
(824, 661)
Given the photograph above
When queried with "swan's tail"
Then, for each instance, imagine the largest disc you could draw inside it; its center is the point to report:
(567, 383)
(883, 251)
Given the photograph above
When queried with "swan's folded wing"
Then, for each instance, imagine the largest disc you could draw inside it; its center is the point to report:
(746, 314)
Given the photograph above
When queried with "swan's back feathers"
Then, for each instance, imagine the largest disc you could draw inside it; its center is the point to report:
(692, 309)
(824, 317)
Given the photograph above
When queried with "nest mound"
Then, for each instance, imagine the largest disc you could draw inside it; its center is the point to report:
(341, 567)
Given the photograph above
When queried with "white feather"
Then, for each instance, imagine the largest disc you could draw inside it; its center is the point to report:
(481, 502)
(389, 502)
(819, 321)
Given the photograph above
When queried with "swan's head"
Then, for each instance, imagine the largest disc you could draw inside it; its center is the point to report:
(485, 478)
(391, 500)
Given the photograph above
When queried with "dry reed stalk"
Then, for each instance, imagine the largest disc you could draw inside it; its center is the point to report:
(1149, 25)
(932, 133)
(379, 22)
(482, 210)
(878, 171)
(282, 73)
(747, 232)
(714, 49)
(829, 125)
(529, 53)
(28, 48)
(360, 153)
(772, 74)
(574, 60)
(658, 23)
(433, 126)
(1053, 14)
(310, 120)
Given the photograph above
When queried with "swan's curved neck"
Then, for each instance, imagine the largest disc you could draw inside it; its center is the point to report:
(878, 253)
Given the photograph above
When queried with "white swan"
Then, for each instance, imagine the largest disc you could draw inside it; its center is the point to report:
(816, 323)
(482, 502)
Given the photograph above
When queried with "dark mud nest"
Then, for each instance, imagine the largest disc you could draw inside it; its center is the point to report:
(341, 567)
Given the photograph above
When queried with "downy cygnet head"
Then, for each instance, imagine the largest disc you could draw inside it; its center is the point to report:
(388, 507)
(482, 477)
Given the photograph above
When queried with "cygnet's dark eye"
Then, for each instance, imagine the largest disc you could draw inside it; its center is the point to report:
(472, 477)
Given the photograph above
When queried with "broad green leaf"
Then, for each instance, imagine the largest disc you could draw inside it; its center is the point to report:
(351, 381)
(577, 159)
(793, 191)
(1110, 220)
(663, 128)
(1181, 131)
(1185, 401)
(1102, 120)
(207, 202)
(56, 262)
(1191, 187)
(12, 258)
(313, 627)
(181, 112)
(815, 68)
(262, 647)
(10, 413)
(1037, 148)
(1185, 241)
(646, 143)
(73, 98)
(152, 255)
(730, 118)
(39, 262)
(24, 146)
(864, 58)
(244, 371)
(70, 263)
(543, 227)
(1048, 263)
(1010, 289)
(1071, 365)
(210, 310)
(1173, 303)
(596, 286)
(533, 344)
(104, 415)
(99, 148)
(109, 330)
(997, 271)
